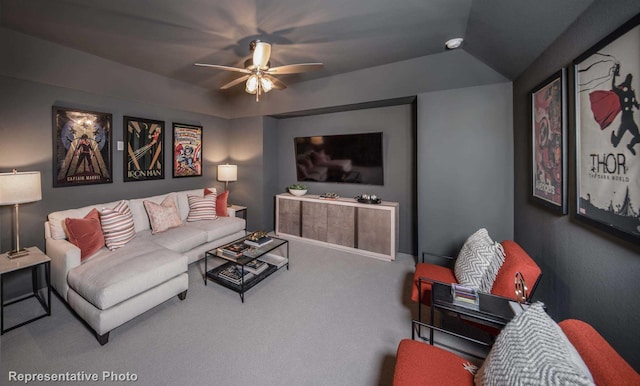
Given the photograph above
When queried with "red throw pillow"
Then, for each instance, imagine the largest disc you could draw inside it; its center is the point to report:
(221, 204)
(85, 233)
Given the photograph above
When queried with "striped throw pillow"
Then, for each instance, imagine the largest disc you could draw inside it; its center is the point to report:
(117, 225)
(202, 208)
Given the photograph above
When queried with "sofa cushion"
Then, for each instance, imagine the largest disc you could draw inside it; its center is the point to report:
(86, 233)
(202, 208)
(418, 363)
(162, 216)
(532, 350)
(179, 239)
(117, 225)
(183, 201)
(219, 228)
(479, 261)
(110, 277)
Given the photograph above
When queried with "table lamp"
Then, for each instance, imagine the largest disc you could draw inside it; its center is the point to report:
(227, 173)
(19, 188)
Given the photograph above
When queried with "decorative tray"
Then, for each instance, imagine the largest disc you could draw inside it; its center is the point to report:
(329, 196)
(368, 200)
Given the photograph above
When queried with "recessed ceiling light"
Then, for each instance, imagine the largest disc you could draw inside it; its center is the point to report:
(453, 43)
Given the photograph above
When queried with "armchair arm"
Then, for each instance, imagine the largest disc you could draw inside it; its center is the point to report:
(64, 257)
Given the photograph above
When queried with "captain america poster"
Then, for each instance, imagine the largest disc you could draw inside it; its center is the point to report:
(607, 134)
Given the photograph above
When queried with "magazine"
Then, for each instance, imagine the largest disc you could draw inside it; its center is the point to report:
(233, 273)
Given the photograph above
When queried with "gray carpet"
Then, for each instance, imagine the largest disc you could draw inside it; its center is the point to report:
(334, 318)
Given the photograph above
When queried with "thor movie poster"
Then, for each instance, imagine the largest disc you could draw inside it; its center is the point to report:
(607, 148)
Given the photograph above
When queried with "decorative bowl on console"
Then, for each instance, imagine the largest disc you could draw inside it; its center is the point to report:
(297, 189)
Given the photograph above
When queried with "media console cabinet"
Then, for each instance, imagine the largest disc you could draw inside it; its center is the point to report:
(343, 223)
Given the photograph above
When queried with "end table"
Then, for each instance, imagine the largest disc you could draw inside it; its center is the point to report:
(240, 211)
(32, 261)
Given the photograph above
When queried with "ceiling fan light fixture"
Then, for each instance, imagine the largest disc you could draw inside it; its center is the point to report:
(266, 84)
(452, 44)
(261, 54)
(252, 84)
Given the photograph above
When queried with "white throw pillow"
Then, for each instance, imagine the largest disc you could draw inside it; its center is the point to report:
(531, 350)
(478, 262)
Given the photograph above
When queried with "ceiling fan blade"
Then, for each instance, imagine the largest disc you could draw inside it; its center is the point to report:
(277, 84)
(295, 68)
(226, 68)
(235, 82)
(261, 55)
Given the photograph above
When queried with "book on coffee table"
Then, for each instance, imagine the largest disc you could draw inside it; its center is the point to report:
(260, 242)
(234, 274)
(235, 249)
(256, 267)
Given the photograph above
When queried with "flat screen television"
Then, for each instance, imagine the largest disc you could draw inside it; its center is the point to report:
(346, 158)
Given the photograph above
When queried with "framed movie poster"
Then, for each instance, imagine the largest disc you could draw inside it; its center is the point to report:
(143, 156)
(81, 147)
(549, 143)
(187, 150)
(607, 135)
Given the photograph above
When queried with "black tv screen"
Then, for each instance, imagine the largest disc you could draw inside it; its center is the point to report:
(348, 158)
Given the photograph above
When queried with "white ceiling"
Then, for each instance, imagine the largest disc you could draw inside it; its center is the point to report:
(167, 36)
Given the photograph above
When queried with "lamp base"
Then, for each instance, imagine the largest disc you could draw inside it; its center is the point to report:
(17, 253)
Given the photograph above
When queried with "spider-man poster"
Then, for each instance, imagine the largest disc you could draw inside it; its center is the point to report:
(81, 147)
(607, 134)
(549, 143)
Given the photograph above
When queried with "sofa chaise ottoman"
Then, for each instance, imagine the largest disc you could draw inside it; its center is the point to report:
(112, 286)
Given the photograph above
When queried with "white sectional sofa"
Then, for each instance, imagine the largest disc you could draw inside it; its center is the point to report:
(110, 288)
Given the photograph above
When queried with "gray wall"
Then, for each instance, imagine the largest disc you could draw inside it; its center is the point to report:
(588, 274)
(395, 123)
(26, 144)
(253, 147)
(465, 172)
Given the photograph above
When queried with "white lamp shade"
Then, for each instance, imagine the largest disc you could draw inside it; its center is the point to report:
(20, 187)
(227, 172)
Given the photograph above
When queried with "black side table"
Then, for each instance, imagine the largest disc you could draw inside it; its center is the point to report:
(32, 261)
(493, 311)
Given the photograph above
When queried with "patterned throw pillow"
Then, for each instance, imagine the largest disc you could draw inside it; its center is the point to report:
(85, 233)
(202, 208)
(162, 216)
(117, 225)
(478, 262)
(533, 350)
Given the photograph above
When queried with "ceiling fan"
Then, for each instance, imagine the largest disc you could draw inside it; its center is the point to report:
(258, 73)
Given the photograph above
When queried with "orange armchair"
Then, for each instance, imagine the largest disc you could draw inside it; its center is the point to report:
(418, 363)
(516, 260)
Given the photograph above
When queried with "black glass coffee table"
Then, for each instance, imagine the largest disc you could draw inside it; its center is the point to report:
(493, 311)
(241, 273)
